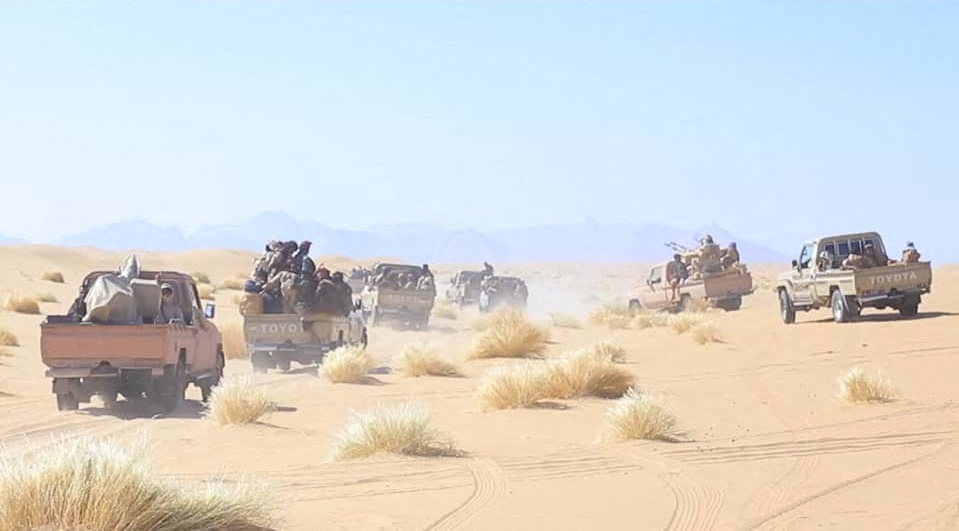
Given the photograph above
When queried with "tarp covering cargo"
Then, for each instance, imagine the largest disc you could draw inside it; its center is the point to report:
(110, 299)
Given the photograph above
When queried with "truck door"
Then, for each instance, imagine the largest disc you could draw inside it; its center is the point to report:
(202, 355)
(803, 275)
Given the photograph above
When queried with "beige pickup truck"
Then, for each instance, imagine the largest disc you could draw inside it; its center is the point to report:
(116, 349)
(275, 340)
(723, 290)
(819, 279)
(391, 295)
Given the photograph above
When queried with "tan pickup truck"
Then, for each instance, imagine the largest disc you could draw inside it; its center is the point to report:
(120, 351)
(391, 294)
(819, 279)
(723, 290)
(275, 340)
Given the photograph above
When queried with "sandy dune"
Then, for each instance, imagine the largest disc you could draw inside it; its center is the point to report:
(769, 445)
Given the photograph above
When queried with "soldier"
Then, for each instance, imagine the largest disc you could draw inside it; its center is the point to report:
(730, 256)
(487, 269)
(426, 280)
(346, 293)
(910, 255)
(301, 263)
(825, 261)
(710, 256)
(676, 274)
(327, 299)
(79, 307)
(870, 258)
(169, 311)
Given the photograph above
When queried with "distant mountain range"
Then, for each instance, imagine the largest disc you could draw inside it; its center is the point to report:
(572, 242)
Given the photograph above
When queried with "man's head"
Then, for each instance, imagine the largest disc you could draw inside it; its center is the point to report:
(910, 246)
(337, 277)
(166, 292)
(732, 245)
(677, 257)
(708, 240)
(323, 273)
(305, 246)
(426, 267)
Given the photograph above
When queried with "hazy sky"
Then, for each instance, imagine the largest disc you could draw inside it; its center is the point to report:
(776, 120)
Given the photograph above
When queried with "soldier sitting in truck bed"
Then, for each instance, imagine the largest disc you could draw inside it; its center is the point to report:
(910, 255)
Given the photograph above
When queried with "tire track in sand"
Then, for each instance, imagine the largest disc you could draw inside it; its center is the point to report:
(489, 484)
(696, 505)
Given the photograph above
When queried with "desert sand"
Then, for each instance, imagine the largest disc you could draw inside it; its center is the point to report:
(767, 444)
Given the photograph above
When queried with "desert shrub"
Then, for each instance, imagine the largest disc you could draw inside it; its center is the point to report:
(206, 292)
(510, 335)
(232, 284)
(422, 360)
(238, 401)
(445, 311)
(681, 323)
(561, 320)
(585, 372)
(53, 276)
(481, 323)
(234, 341)
(21, 304)
(647, 319)
(697, 305)
(200, 277)
(47, 297)
(95, 484)
(857, 386)
(640, 416)
(511, 386)
(609, 350)
(612, 316)
(347, 364)
(704, 333)
(399, 429)
(8, 338)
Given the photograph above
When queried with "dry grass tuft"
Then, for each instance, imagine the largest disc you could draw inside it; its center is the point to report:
(613, 316)
(422, 360)
(238, 401)
(481, 323)
(206, 292)
(511, 386)
(8, 339)
(47, 297)
(200, 277)
(444, 310)
(585, 372)
(683, 322)
(647, 319)
(53, 276)
(640, 416)
(609, 350)
(510, 335)
(234, 341)
(96, 484)
(399, 429)
(235, 284)
(697, 305)
(705, 333)
(857, 386)
(560, 320)
(21, 304)
(348, 364)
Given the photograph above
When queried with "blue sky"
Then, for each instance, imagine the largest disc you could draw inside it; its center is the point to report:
(776, 120)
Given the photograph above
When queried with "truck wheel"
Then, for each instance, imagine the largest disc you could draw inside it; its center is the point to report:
(731, 305)
(910, 309)
(173, 387)
(283, 364)
(685, 302)
(786, 310)
(67, 402)
(844, 309)
(635, 307)
(364, 338)
(206, 388)
(109, 399)
(260, 361)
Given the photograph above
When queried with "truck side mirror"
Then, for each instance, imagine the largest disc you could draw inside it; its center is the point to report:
(795, 263)
(209, 310)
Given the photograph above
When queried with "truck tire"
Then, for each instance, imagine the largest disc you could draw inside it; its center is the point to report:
(909, 309)
(844, 309)
(261, 362)
(786, 309)
(685, 302)
(67, 402)
(172, 387)
(206, 388)
(364, 338)
(283, 364)
(731, 305)
(634, 306)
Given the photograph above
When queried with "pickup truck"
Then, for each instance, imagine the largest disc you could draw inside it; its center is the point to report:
(273, 341)
(465, 288)
(724, 290)
(391, 293)
(819, 279)
(503, 291)
(132, 356)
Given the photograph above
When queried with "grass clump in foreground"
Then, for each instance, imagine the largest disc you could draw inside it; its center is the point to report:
(510, 335)
(348, 364)
(683, 322)
(586, 372)
(53, 276)
(445, 311)
(21, 304)
(422, 360)
(238, 401)
(96, 484)
(399, 429)
(857, 386)
(561, 320)
(512, 386)
(8, 338)
(705, 333)
(47, 297)
(647, 319)
(612, 316)
(640, 416)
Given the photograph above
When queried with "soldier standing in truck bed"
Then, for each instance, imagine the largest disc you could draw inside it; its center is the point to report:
(345, 292)
(910, 255)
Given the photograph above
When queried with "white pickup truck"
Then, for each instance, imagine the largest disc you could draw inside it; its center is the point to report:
(818, 279)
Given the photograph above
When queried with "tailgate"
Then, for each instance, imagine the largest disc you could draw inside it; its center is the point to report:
(293, 328)
(83, 344)
(899, 277)
(729, 285)
(405, 300)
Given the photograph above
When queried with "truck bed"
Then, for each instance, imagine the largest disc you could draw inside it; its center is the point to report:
(294, 328)
(74, 345)
(404, 300)
(727, 285)
(901, 277)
